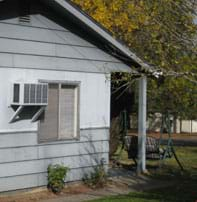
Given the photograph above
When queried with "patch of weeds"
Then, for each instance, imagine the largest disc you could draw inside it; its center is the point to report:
(97, 178)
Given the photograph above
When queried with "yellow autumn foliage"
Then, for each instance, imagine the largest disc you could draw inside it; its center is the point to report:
(163, 33)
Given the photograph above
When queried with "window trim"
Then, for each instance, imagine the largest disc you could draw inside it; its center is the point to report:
(77, 84)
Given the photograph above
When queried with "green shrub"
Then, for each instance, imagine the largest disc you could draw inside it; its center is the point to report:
(56, 177)
(97, 178)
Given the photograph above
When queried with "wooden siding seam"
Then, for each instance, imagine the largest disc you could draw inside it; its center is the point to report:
(75, 168)
(61, 57)
(9, 132)
(57, 157)
(96, 128)
(53, 144)
(46, 42)
(45, 28)
(55, 69)
(17, 132)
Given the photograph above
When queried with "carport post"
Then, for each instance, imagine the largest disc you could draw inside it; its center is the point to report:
(141, 166)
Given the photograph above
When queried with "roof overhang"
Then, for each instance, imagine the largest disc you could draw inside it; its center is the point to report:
(67, 8)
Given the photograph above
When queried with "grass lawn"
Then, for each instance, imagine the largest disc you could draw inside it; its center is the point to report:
(184, 184)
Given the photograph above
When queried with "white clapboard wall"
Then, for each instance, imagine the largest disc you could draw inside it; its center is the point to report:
(45, 50)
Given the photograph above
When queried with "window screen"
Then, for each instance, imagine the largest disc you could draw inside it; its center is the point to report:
(60, 120)
(49, 122)
(67, 111)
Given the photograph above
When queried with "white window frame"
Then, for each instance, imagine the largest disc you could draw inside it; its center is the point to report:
(77, 85)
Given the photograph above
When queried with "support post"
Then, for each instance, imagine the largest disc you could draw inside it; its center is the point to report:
(38, 113)
(17, 112)
(141, 167)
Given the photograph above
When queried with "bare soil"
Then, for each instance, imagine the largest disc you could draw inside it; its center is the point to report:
(43, 194)
(122, 182)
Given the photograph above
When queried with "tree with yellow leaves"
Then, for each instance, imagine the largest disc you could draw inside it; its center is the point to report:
(163, 33)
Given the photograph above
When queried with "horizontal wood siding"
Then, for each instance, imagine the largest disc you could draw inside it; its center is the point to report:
(47, 35)
(22, 61)
(37, 21)
(44, 44)
(51, 151)
(46, 50)
(40, 179)
(27, 139)
(29, 161)
(38, 47)
(18, 139)
(52, 50)
(27, 33)
(40, 166)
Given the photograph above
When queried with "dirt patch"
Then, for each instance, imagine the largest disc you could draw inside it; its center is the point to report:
(77, 189)
(27, 197)
(43, 194)
(182, 136)
(121, 182)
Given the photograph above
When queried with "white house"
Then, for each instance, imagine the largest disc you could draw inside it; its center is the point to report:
(55, 65)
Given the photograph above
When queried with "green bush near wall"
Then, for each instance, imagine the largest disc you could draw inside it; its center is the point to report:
(56, 176)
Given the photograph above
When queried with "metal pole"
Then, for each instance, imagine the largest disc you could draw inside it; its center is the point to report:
(141, 168)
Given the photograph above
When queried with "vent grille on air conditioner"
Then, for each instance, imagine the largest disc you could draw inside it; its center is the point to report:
(35, 93)
(30, 94)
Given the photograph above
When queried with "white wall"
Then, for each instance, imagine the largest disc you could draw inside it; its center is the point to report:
(188, 126)
(23, 161)
(94, 96)
(46, 50)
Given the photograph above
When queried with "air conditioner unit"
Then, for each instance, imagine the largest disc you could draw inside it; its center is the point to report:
(29, 94)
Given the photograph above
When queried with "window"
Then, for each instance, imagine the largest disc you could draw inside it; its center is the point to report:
(61, 118)
(16, 97)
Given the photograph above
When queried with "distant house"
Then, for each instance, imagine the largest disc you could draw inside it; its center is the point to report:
(55, 66)
(154, 123)
(186, 126)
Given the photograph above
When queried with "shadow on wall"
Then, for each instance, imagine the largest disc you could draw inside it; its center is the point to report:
(95, 154)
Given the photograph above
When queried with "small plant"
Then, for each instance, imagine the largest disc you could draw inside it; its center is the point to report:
(97, 178)
(56, 177)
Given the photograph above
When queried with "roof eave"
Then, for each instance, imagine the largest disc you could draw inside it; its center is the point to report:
(101, 32)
